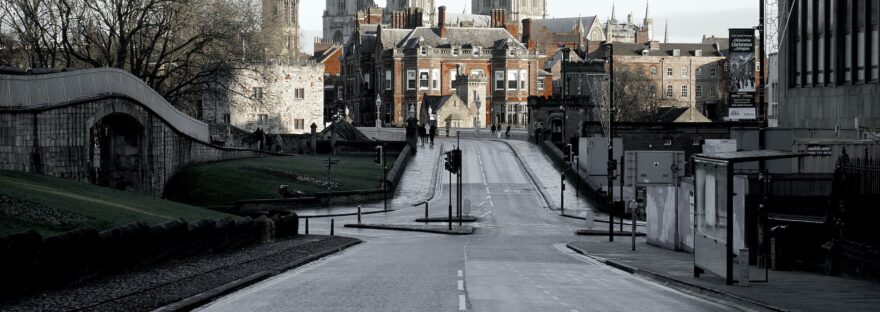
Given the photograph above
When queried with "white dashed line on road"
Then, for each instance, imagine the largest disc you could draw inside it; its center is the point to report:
(462, 305)
(460, 285)
(460, 273)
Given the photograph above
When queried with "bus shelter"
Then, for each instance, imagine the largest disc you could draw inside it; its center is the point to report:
(714, 215)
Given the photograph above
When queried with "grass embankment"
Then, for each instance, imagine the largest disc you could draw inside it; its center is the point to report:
(52, 205)
(224, 183)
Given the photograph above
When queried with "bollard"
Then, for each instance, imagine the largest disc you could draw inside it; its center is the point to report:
(426, 211)
(332, 225)
(359, 214)
(307, 226)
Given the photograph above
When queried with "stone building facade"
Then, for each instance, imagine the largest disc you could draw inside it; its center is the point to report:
(465, 108)
(280, 28)
(685, 75)
(340, 16)
(518, 9)
(402, 65)
(629, 31)
(279, 99)
(426, 6)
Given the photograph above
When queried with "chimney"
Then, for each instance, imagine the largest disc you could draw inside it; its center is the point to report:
(654, 45)
(441, 20)
(527, 33)
(498, 18)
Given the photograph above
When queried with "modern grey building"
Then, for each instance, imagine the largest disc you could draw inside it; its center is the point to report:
(828, 69)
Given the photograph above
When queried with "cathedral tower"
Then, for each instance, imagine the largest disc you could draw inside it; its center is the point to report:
(280, 26)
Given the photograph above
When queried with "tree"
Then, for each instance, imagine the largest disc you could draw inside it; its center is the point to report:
(178, 47)
(635, 94)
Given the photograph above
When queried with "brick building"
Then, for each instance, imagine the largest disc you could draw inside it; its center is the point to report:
(329, 53)
(685, 75)
(405, 61)
(280, 99)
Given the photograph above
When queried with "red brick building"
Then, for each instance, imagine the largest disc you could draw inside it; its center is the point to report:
(405, 61)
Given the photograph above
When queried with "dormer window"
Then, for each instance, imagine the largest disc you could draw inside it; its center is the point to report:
(455, 51)
(676, 52)
(698, 52)
(511, 52)
(423, 51)
(645, 52)
(477, 51)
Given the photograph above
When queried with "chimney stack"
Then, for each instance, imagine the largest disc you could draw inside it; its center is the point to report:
(441, 20)
(498, 18)
(527, 33)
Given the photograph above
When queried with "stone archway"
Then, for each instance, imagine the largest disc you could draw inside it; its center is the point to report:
(115, 152)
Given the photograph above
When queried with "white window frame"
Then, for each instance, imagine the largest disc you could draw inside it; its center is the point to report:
(412, 82)
(424, 79)
(685, 72)
(670, 92)
(453, 78)
(685, 91)
(499, 80)
(512, 77)
(670, 72)
(523, 80)
(388, 79)
(540, 83)
(698, 92)
(435, 79)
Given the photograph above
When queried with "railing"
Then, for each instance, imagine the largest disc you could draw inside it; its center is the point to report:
(33, 92)
(384, 134)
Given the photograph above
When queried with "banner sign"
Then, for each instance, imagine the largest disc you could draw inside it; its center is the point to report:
(742, 74)
(819, 150)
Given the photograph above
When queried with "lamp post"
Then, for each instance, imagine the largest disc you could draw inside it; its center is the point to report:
(378, 114)
(611, 160)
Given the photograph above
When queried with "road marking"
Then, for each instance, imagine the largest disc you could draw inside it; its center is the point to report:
(573, 310)
(482, 171)
(554, 297)
(460, 273)
(485, 213)
(462, 305)
(460, 285)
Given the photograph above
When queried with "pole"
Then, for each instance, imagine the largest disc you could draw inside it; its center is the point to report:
(426, 211)
(307, 226)
(359, 214)
(633, 228)
(622, 202)
(450, 200)
(385, 185)
(611, 148)
(562, 192)
(577, 180)
(332, 226)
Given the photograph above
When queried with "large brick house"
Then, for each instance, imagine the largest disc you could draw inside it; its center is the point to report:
(405, 61)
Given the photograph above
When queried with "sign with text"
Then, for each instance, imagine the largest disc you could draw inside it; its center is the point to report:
(742, 75)
(819, 150)
(742, 113)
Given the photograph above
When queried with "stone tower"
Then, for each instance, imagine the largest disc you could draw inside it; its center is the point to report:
(280, 26)
(517, 10)
(427, 7)
(649, 22)
(472, 90)
(340, 16)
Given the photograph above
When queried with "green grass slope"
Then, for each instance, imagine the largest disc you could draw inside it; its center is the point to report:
(224, 183)
(52, 205)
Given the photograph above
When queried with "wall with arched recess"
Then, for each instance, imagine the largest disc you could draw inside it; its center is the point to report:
(45, 124)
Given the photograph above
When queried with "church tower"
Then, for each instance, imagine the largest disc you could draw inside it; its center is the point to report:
(280, 27)
(517, 10)
(649, 22)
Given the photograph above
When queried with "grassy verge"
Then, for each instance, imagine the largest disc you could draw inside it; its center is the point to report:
(51, 205)
(224, 183)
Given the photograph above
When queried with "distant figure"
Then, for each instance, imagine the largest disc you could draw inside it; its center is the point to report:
(427, 132)
(507, 133)
(493, 129)
(448, 125)
(432, 134)
(422, 135)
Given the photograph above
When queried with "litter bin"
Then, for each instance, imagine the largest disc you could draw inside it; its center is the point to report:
(780, 247)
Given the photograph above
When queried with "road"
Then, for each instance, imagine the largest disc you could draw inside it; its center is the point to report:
(516, 260)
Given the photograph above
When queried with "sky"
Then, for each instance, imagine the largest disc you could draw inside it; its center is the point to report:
(688, 20)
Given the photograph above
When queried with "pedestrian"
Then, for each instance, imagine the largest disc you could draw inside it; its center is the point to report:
(432, 134)
(448, 126)
(493, 129)
(507, 133)
(427, 132)
(422, 135)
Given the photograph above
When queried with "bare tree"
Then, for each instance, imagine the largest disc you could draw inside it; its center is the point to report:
(635, 94)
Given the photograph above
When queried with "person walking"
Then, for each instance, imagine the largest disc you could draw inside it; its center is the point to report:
(432, 133)
(422, 135)
(493, 129)
(507, 133)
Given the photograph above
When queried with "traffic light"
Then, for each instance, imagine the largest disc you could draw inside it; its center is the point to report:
(456, 160)
(448, 158)
(378, 159)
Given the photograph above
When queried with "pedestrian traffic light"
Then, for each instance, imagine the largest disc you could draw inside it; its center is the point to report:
(448, 159)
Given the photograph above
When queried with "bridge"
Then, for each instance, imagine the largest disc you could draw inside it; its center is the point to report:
(103, 126)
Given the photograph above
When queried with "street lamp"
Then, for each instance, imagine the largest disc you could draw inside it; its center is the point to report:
(378, 106)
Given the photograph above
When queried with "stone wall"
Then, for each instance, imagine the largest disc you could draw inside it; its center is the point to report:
(59, 141)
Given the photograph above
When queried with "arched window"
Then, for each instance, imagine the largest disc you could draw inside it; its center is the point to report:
(669, 91)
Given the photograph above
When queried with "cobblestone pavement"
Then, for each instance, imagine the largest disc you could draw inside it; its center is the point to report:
(148, 288)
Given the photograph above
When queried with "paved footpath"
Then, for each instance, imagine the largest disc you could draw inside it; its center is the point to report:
(547, 176)
(792, 291)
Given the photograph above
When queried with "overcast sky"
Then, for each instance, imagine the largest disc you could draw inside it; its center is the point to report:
(688, 20)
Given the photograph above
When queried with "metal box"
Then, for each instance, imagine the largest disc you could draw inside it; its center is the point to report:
(594, 155)
(654, 167)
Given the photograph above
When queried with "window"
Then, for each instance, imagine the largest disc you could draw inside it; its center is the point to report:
(512, 80)
(477, 72)
(653, 71)
(669, 91)
(455, 51)
(299, 93)
(684, 71)
(453, 78)
(299, 124)
(669, 72)
(499, 80)
(367, 80)
(684, 91)
(410, 80)
(388, 80)
(257, 93)
(435, 79)
(712, 92)
(774, 92)
(424, 79)
(713, 71)
(423, 51)
(699, 91)
(667, 140)
(227, 119)
(263, 119)
(541, 84)
(523, 80)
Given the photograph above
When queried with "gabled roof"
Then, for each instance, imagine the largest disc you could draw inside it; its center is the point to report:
(436, 102)
(565, 25)
(459, 37)
(556, 58)
(666, 49)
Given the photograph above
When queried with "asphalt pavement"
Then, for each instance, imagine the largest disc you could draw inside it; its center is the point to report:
(515, 261)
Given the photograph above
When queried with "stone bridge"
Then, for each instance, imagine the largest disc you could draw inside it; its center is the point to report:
(102, 126)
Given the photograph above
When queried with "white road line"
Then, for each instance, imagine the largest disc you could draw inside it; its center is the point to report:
(460, 285)
(462, 305)
(485, 213)
(460, 273)
(554, 297)
(482, 171)
(573, 310)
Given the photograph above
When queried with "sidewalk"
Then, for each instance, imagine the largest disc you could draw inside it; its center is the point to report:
(786, 291)
(547, 178)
